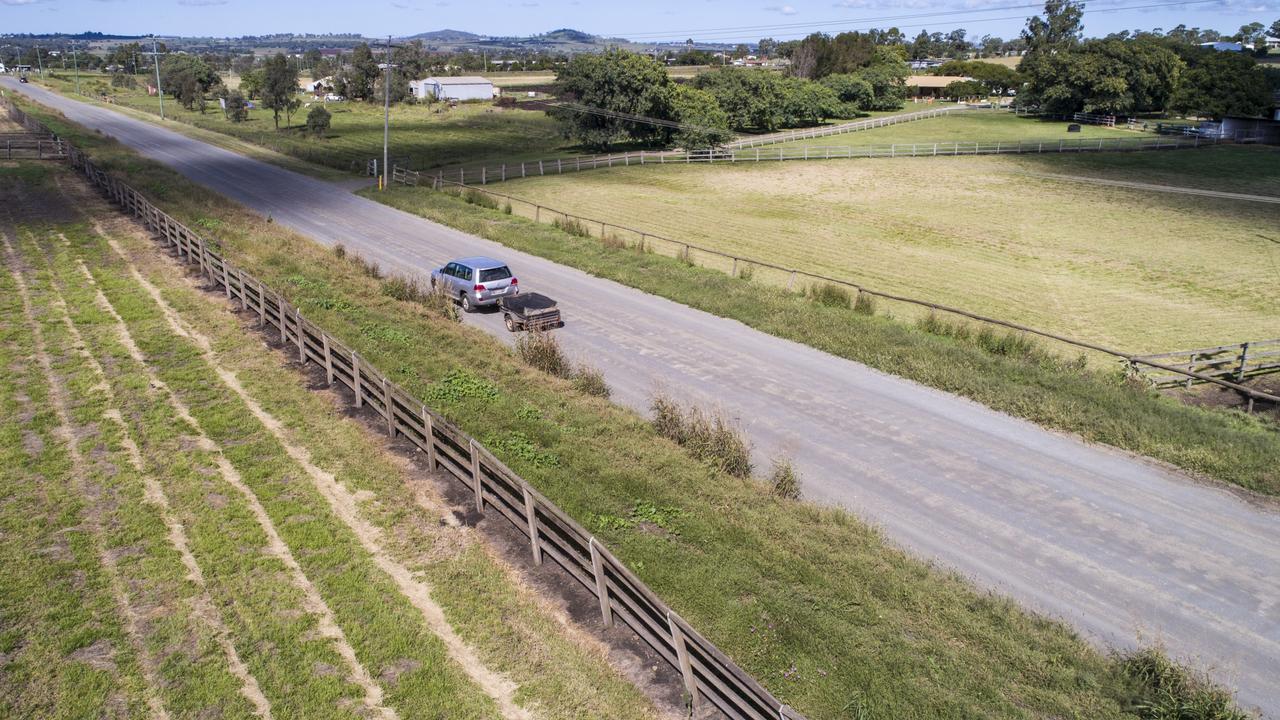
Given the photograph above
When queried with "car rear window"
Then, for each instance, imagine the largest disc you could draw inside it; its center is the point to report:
(492, 274)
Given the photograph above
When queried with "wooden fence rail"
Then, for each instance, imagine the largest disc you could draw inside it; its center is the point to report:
(489, 174)
(1235, 362)
(737, 266)
(709, 676)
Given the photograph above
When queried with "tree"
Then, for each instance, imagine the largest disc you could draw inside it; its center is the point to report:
(356, 82)
(806, 103)
(707, 123)
(999, 79)
(252, 82)
(618, 83)
(237, 107)
(1254, 34)
(1108, 76)
(887, 74)
(280, 87)
(1218, 84)
(768, 46)
(965, 89)
(318, 121)
(188, 78)
(1274, 31)
(854, 94)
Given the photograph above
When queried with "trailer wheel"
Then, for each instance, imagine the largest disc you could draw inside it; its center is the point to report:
(510, 321)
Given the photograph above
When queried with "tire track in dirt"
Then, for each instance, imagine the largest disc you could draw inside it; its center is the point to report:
(341, 501)
(203, 605)
(312, 600)
(58, 401)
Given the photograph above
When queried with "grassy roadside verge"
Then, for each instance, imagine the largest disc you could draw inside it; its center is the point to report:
(811, 601)
(1101, 407)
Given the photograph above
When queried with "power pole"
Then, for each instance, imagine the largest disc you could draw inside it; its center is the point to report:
(386, 118)
(76, 62)
(40, 62)
(155, 56)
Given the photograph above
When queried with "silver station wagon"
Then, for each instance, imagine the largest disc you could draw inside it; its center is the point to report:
(475, 281)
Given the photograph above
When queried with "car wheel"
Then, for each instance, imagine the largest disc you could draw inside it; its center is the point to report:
(465, 301)
(511, 324)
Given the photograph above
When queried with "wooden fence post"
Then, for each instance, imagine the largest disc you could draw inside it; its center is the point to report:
(386, 404)
(302, 344)
(682, 655)
(328, 358)
(602, 588)
(531, 518)
(475, 475)
(428, 432)
(262, 305)
(1244, 360)
(355, 379)
(280, 312)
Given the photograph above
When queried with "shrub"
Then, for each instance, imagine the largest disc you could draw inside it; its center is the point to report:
(405, 289)
(829, 294)
(708, 437)
(477, 197)
(783, 481)
(340, 250)
(864, 304)
(590, 381)
(439, 301)
(318, 121)
(746, 271)
(368, 267)
(506, 209)
(542, 351)
(1158, 689)
(613, 241)
(572, 226)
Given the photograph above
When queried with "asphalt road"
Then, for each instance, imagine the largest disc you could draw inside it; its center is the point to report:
(1122, 549)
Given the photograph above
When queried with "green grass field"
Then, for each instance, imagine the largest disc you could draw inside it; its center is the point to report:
(429, 136)
(1138, 270)
(165, 548)
(811, 601)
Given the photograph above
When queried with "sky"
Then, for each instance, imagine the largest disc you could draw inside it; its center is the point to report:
(704, 20)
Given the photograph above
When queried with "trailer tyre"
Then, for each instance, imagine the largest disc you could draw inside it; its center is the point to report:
(512, 325)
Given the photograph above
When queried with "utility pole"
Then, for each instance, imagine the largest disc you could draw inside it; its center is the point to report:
(40, 62)
(76, 63)
(386, 118)
(155, 56)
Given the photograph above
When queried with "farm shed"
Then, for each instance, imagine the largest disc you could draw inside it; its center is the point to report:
(452, 88)
(931, 85)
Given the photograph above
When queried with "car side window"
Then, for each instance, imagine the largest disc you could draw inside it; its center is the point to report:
(450, 269)
(463, 272)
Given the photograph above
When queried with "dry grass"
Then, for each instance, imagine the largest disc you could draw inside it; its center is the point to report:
(708, 435)
(1142, 271)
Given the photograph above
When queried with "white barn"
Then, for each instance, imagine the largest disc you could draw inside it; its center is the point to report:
(452, 88)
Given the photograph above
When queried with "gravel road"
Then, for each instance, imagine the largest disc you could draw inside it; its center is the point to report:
(1124, 550)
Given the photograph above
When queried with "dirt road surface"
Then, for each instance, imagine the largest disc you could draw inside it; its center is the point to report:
(1124, 550)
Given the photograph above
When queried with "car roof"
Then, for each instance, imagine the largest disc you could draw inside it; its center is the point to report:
(480, 262)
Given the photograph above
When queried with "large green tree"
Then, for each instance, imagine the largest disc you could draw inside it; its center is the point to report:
(615, 85)
(280, 87)
(704, 124)
(188, 78)
(1218, 84)
(357, 80)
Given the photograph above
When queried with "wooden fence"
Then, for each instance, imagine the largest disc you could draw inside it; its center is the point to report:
(709, 676)
(841, 129)
(488, 174)
(31, 146)
(1235, 362)
(793, 279)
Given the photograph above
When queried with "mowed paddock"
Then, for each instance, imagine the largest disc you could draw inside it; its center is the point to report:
(189, 531)
(1139, 270)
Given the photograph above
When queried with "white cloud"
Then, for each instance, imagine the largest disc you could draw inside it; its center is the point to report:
(201, 3)
(20, 2)
(783, 9)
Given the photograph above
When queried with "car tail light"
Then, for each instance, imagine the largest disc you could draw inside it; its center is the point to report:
(515, 281)
(478, 288)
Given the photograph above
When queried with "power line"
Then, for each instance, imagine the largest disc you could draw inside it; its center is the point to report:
(862, 21)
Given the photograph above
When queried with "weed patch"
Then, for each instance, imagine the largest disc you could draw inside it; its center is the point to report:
(708, 436)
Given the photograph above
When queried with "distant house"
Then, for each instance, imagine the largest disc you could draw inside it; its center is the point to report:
(1272, 42)
(1224, 46)
(926, 63)
(320, 87)
(931, 85)
(1242, 129)
(452, 88)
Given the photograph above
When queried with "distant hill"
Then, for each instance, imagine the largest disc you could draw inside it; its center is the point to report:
(568, 35)
(447, 36)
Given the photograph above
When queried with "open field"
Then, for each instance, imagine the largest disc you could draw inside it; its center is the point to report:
(429, 136)
(190, 530)
(974, 125)
(1132, 269)
(872, 632)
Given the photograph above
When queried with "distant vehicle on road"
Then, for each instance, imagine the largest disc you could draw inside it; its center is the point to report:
(475, 281)
(22, 78)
